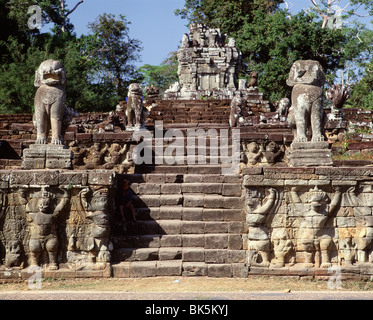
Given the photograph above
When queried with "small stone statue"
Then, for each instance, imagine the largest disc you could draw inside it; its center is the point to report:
(236, 110)
(115, 155)
(50, 100)
(253, 153)
(338, 94)
(152, 93)
(283, 107)
(95, 157)
(253, 79)
(136, 112)
(78, 153)
(272, 153)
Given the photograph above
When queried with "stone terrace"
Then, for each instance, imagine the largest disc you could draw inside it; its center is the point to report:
(191, 217)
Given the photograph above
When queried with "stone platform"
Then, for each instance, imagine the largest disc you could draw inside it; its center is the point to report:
(310, 154)
(16, 274)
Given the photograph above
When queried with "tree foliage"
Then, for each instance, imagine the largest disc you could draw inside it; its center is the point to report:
(271, 38)
(161, 76)
(116, 52)
(98, 71)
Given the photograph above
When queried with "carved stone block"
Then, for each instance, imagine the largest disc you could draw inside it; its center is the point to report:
(43, 156)
(310, 154)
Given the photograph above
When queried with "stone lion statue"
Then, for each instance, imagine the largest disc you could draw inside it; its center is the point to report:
(136, 112)
(50, 101)
(307, 79)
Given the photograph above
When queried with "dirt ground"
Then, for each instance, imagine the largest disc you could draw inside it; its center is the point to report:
(189, 284)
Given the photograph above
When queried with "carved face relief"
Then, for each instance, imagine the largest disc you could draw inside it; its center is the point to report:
(253, 199)
(306, 72)
(317, 200)
(50, 73)
(134, 89)
(253, 147)
(99, 201)
(45, 202)
(272, 147)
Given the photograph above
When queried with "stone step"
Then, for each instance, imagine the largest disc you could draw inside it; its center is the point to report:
(225, 189)
(236, 230)
(139, 269)
(231, 241)
(185, 254)
(182, 169)
(213, 201)
(182, 233)
(198, 215)
(167, 178)
(176, 226)
(194, 159)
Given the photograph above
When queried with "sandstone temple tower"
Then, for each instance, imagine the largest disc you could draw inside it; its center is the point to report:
(208, 65)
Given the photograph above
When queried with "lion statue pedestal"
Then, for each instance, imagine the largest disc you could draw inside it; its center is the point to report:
(50, 108)
(47, 156)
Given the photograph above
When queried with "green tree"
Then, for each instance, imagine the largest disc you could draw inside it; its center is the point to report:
(272, 43)
(116, 53)
(161, 76)
(229, 15)
(271, 39)
(99, 66)
(333, 13)
(362, 91)
(53, 11)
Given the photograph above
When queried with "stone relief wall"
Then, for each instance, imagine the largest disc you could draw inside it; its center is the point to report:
(53, 218)
(309, 217)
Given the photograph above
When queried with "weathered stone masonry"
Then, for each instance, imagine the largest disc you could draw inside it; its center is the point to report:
(301, 221)
(56, 220)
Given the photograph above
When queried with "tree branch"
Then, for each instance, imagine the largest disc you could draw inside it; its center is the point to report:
(73, 9)
(323, 16)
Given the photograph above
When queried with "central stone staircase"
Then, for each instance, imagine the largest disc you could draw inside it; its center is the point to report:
(190, 219)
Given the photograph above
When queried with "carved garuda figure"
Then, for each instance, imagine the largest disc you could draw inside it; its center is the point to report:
(50, 101)
(44, 227)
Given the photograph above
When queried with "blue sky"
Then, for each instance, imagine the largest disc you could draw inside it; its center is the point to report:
(153, 22)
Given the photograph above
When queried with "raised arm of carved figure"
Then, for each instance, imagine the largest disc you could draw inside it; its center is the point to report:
(65, 200)
(30, 216)
(84, 194)
(336, 200)
(125, 149)
(22, 196)
(351, 196)
(3, 203)
(294, 195)
(270, 201)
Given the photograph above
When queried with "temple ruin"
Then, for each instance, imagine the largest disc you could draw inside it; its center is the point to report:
(227, 187)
